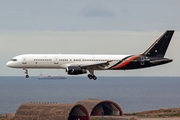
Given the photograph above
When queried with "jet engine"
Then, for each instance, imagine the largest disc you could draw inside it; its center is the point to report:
(75, 70)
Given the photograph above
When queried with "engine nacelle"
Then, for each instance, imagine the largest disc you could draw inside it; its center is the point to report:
(75, 70)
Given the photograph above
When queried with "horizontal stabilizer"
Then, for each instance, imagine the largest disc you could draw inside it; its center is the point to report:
(161, 60)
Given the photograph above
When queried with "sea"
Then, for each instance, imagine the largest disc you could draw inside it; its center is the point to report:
(132, 94)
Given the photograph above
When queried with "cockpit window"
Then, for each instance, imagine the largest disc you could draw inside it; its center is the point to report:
(13, 59)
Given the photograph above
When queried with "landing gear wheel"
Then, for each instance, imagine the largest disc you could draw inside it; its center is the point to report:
(27, 76)
(94, 77)
(90, 76)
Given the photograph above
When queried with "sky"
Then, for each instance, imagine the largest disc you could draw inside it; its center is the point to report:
(88, 27)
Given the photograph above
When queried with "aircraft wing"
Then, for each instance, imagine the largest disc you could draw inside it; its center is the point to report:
(101, 65)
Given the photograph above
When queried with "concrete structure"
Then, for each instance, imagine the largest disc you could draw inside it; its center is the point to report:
(84, 110)
(96, 107)
(49, 111)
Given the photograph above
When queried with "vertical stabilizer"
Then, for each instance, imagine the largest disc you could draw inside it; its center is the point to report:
(159, 47)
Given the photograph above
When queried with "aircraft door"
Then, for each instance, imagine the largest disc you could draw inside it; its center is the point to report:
(56, 61)
(24, 60)
(142, 60)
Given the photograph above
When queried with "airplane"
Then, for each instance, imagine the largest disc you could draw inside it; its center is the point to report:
(75, 64)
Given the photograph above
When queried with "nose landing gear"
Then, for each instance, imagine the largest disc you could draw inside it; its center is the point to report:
(26, 72)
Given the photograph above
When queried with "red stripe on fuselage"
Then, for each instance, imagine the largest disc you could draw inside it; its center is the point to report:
(125, 62)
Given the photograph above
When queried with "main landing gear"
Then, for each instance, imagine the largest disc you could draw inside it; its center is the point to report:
(91, 75)
(26, 72)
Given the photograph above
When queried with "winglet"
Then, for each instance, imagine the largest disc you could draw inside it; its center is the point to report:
(159, 47)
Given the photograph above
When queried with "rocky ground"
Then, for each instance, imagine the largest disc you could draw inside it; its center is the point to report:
(160, 113)
(7, 116)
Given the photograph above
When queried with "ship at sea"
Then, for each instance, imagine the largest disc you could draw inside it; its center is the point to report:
(49, 77)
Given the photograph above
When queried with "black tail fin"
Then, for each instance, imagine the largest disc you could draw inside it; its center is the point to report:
(159, 47)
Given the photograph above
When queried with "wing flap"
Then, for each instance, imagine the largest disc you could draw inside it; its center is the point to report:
(91, 65)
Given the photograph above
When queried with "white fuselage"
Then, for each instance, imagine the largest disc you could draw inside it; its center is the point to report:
(61, 61)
